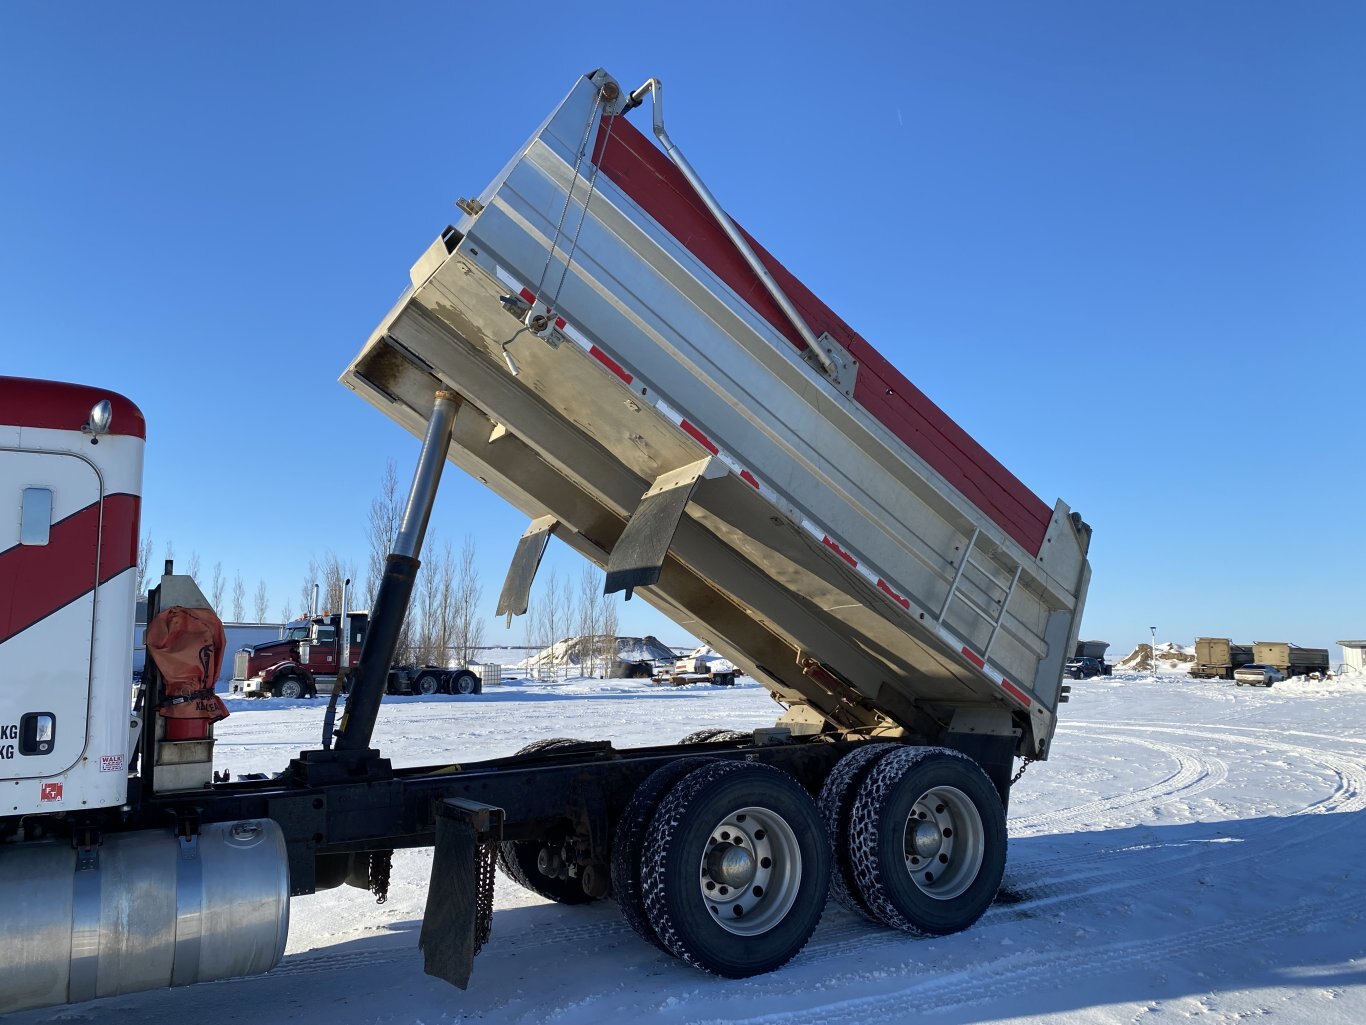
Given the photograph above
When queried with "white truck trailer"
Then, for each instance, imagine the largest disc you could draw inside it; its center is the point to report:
(599, 343)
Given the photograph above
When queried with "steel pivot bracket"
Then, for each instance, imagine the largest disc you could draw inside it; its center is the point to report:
(522, 571)
(839, 366)
(638, 555)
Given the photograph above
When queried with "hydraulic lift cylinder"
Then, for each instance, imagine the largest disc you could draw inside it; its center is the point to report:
(396, 586)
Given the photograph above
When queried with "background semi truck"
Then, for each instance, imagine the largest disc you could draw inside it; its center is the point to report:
(604, 347)
(308, 660)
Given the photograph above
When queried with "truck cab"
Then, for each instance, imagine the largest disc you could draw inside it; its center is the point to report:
(304, 663)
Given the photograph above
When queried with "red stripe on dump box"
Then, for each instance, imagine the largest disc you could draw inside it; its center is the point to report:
(1016, 693)
(749, 478)
(905, 603)
(638, 167)
(610, 364)
(974, 658)
(839, 551)
(699, 437)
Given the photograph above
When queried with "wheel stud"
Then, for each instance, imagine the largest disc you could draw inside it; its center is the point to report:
(725, 836)
(710, 885)
(724, 890)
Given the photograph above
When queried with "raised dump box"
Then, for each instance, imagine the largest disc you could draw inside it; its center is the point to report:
(629, 381)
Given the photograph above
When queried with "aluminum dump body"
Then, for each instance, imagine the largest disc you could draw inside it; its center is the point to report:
(831, 531)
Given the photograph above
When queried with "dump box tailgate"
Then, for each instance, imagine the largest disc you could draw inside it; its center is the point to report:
(844, 541)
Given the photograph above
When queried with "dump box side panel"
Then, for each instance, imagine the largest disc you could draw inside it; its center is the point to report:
(811, 544)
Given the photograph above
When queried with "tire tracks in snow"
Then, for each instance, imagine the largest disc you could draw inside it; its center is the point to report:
(992, 981)
(1195, 773)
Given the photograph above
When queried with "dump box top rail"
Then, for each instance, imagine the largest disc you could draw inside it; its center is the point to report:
(628, 382)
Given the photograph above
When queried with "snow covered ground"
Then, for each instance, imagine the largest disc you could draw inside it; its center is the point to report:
(1192, 852)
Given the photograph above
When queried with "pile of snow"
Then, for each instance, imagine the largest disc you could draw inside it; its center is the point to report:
(573, 651)
(1169, 656)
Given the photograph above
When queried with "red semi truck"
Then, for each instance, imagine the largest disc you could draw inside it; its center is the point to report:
(308, 661)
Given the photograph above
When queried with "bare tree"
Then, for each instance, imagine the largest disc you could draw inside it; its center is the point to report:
(239, 597)
(192, 565)
(335, 571)
(144, 563)
(306, 589)
(610, 608)
(467, 627)
(433, 606)
(588, 618)
(216, 587)
(382, 523)
(286, 614)
(262, 602)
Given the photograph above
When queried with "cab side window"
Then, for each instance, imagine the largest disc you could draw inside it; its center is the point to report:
(35, 516)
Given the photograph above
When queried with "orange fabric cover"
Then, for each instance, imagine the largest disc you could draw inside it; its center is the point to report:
(187, 646)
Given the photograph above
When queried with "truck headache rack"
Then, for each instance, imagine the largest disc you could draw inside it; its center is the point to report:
(635, 373)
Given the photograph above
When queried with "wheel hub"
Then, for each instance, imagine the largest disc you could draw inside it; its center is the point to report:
(731, 864)
(926, 839)
(944, 843)
(750, 871)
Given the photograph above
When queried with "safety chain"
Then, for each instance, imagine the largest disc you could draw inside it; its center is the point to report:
(583, 216)
(484, 856)
(1023, 765)
(569, 195)
(381, 862)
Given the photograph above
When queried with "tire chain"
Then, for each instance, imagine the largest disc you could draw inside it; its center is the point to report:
(659, 841)
(381, 864)
(865, 838)
(484, 856)
(835, 804)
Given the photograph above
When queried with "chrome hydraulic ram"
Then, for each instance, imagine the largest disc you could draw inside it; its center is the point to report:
(396, 586)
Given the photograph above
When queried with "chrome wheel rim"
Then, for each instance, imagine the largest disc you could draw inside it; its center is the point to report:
(428, 685)
(750, 871)
(944, 843)
(291, 688)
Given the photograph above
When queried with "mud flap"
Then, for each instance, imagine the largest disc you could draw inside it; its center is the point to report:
(638, 556)
(459, 910)
(522, 571)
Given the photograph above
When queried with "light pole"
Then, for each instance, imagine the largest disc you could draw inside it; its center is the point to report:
(1153, 653)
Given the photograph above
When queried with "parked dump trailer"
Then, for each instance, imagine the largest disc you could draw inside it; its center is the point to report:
(1291, 659)
(602, 346)
(1216, 658)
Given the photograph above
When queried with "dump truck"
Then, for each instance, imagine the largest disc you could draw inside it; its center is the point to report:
(1291, 659)
(599, 343)
(1217, 658)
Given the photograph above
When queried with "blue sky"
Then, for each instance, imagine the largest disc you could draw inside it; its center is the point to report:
(1122, 244)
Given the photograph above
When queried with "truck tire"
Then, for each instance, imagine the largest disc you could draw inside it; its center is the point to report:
(922, 807)
(517, 859)
(428, 683)
(628, 843)
(723, 680)
(736, 868)
(836, 804)
(464, 682)
(290, 686)
(714, 733)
